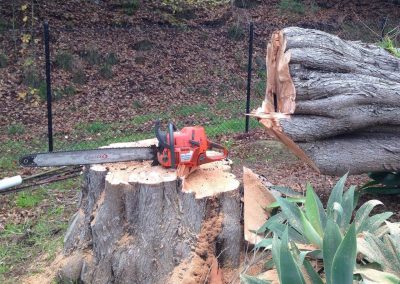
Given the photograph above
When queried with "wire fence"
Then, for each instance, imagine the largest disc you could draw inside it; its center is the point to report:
(130, 77)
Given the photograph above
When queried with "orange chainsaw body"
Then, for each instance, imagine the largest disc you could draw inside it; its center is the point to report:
(190, 145)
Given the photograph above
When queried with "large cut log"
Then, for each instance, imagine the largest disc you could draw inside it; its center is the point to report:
(139, 223)
(341, 101)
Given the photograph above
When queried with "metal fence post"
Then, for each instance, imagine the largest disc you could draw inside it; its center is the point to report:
(48, 85)
(249, 69)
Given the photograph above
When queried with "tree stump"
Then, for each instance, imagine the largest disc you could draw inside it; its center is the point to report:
(139, 223)
(334, 103)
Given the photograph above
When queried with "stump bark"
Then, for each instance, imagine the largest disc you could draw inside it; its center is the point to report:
(138, 223)
(342, 100)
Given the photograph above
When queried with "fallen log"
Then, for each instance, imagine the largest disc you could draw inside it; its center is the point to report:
(139, 223)
(342, 100)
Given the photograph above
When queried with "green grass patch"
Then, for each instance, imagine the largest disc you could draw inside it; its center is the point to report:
(388, 44)
(191, 109)
(130, 6)
(92, 56)
(79, 77)
(7, 163)
(106, 71)
(22, 243)
(236, 33)
(64, 92)
(16, 129)
(3, 60)
(28, 199)
(64, 60)
(93, 127)
(292, 6)
(111, 59)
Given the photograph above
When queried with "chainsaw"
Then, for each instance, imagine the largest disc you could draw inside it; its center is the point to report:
(187, 147)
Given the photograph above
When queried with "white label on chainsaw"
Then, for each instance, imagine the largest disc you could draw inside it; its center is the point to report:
(186, 156)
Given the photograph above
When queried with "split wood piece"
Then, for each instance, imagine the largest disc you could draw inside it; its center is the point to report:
(343, 99)
(256, 198)
(142, 224)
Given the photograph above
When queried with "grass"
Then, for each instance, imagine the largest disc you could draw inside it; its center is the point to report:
(106, 71)
(130, 6)
(191, 109)
(111, 59)
(79, 77)
(31, 77)
(41, 236)
(143, 45)
(236, 33)
(64, 60)
(388, 44)
(3, 60)
(16, 129)
(92, 56)
(93, 127)
(66, 91)
(28, 199)
(291, 6)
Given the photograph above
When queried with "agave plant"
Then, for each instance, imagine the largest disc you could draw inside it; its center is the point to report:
(330, 232)
(308, 224)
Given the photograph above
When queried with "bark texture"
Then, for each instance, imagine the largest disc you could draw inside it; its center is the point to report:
(141, 224)
(342, 98)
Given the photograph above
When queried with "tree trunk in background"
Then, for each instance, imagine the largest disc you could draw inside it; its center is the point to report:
(342, 99)
(141, 224)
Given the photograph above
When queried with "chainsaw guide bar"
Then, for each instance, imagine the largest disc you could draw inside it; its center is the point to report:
(87, 157)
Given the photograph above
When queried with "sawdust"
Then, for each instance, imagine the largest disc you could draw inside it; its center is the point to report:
(49, 273)
(196, 269)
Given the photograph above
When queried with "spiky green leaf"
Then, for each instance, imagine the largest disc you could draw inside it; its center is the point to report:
(275, 204)
(362, 214)
(376, 276)
(337, 212)
(348, 205)
(276, 254)
(247, 279)
(294, 235)
(292, 213)
(286, 191)
(312, 211)
(312, 274)
(277, 218)
(290, 272)
(345, 258)
(309, 231)
(331, 242)
(337, 193)
(374, 222)
(264, 243)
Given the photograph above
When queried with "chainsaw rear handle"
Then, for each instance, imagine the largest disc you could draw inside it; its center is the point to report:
(162, 140)
(212, 145)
